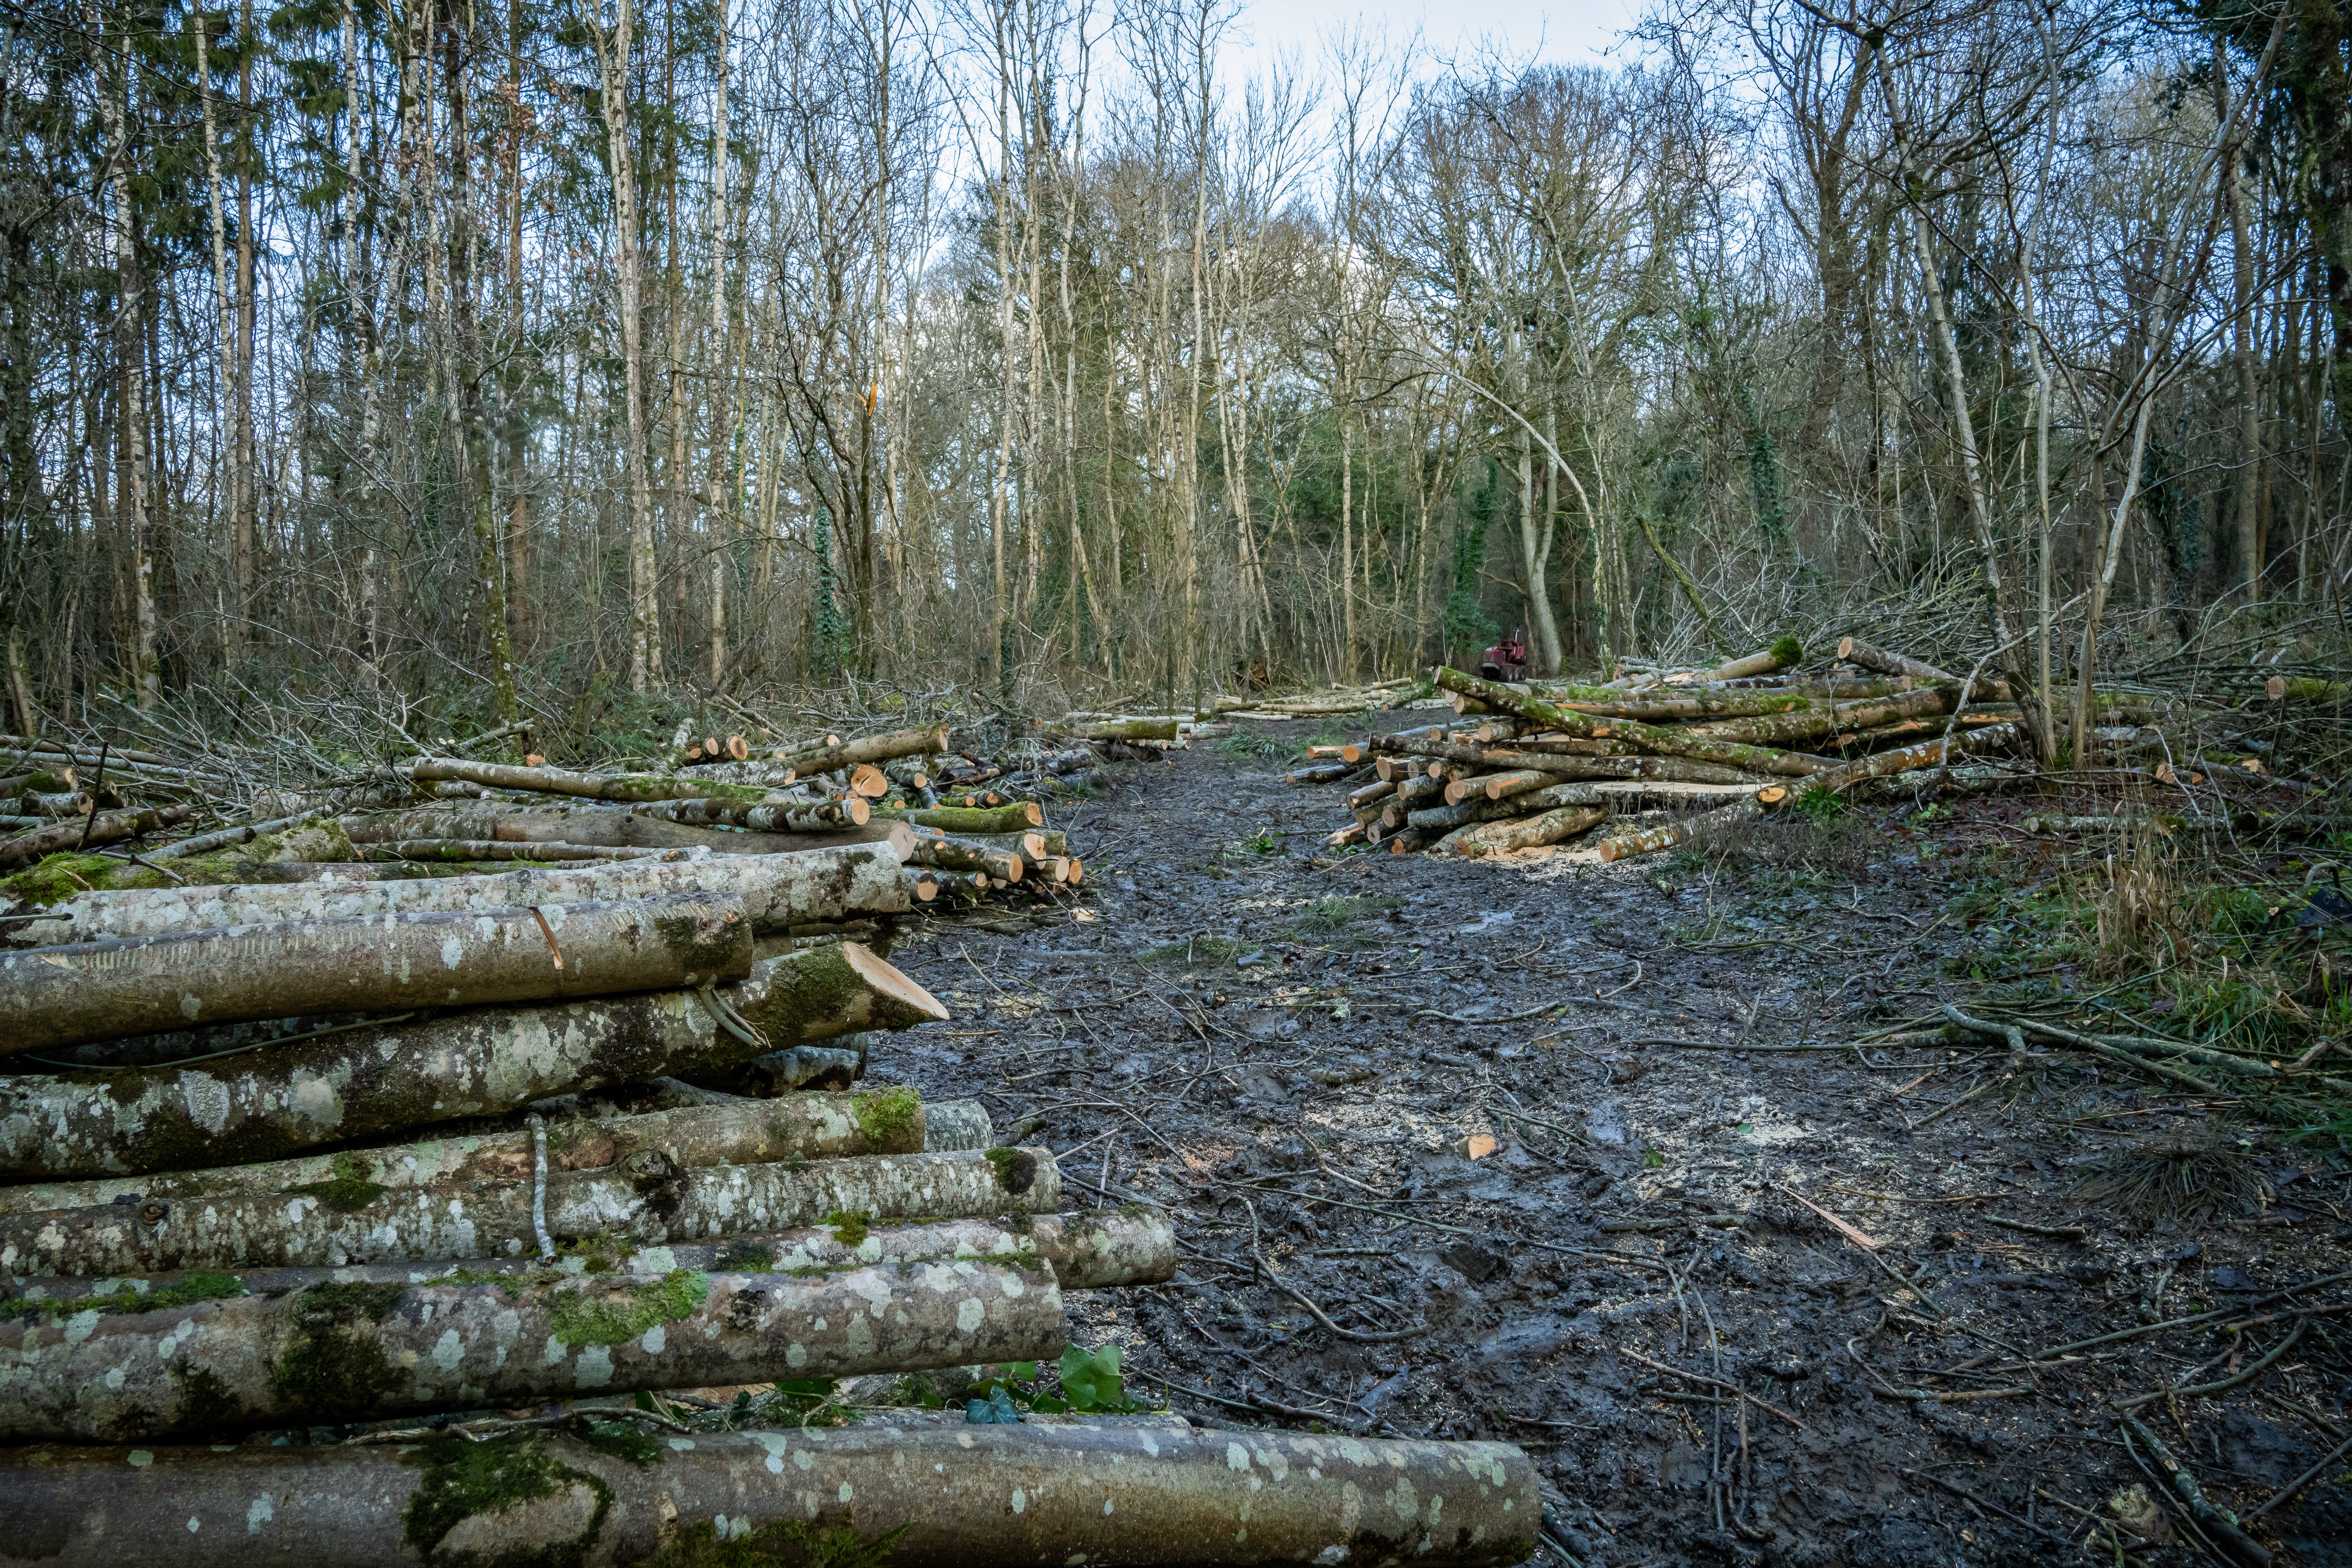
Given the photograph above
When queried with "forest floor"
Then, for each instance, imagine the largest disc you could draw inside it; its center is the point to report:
(1544, 1144)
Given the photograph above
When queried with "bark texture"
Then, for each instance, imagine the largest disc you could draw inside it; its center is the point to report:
(872, 748)
(967, 821)
(365, 1082)
(1853, 650)
(143, 986)
(647, 1199)
(776, 890)
(931, 1496)
(797, 1127)
(107, 827)
(1528, 832)
(336, 1352)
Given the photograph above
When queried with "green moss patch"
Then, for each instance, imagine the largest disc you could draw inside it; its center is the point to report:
(889, 1120)
(463, 1481)
(704, 946)
(204, 1400)
(184, 1292)
(56, 878)
(1016, 1169)
(349, 1191)
(849, 1229)
(1788, 651)
(610, 1313)
(330, 1363)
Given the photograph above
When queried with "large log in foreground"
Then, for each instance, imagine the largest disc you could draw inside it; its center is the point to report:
(777, 890)
(291, 969)
(813, 1126)
(647, 1200)
(912, 1496)
(363, 1082)
(337, 1351)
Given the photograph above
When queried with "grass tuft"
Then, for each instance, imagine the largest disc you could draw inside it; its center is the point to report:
(2174, 1184)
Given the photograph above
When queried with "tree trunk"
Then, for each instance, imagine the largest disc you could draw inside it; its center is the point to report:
(962, 855)
(777, 891)
(1111, 729)
(929, 1496)
(1528, 832)
(604, 824)
(142, 986)
(872, 748)
(366, 1081)
(1853, 650)
(966, 821)
(784, 815)
(343, 1350)
(108, 828)
(647, 1199)
(584, 787)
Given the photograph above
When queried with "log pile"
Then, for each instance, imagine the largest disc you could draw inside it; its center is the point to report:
(1650, 760)
(450, 1181)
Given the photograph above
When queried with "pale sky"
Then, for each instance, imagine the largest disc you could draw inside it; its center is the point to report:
(1560, 31)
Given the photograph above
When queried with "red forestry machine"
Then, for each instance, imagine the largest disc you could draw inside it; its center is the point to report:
(1507, 659)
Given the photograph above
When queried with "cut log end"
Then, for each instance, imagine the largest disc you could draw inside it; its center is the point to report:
(889, 981)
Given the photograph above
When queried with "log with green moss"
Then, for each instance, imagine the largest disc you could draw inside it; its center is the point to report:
(1650, 737)
(814, 1126)
(119, 1367)
(580, 785)
(646, 1199)
(1110, 729)
(106, 827)
(777, 891)
(1090, 1250)
(1504, 836)
(965, 821)
(914, 1495)
(1567, 765)
(366, 1082)
(138, 986)
(1816, 720)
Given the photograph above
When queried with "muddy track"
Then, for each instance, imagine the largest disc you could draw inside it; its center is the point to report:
(1471, 1149)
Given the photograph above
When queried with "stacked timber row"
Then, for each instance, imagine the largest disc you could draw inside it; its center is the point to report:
(1652, 761)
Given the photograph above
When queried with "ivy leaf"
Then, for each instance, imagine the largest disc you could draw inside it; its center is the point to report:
(1090, 1379)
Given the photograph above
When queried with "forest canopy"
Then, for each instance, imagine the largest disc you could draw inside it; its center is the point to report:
(494, 355)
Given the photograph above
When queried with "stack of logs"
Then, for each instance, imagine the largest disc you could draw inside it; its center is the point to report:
(1547, 763)
(349, 1217)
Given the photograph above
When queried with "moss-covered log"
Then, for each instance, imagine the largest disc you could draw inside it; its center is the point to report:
(1110, 729)
(817, 1126)
(473, 851)
(101, 1369)
(646, 1199)
(777, 891)
(1649, 737)
(913, 1496)
(1095, 1249)
(1824, 719)
(288, 969)
(365, 1082)
(1853, 650)
(618, 825)
(106, 827)
(582, 786)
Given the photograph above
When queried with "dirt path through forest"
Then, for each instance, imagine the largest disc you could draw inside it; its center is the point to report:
(1534, 1151)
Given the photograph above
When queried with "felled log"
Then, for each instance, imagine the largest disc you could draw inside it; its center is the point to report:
(1502, 785)
(1650, 737)
(1815, 721)
(364, 1081)
(1318, 773)
(106, 827)
(814, 1126)
(918, 1495)
(953, 854)
(791, 1071)
(229, 837)
(336, 1349)
(473, 851)
(1784, 652)
(647, 1199)
(1853, 650)
(1502, 837)
(616, 825)
(1567, 765)
(766, 817)
(967, 821)
(824, 759)
(1112, 729)
(776, 890)
(55, 807)
(140, 986)
(44, 781)
(582, 786)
